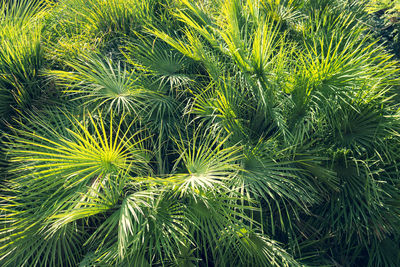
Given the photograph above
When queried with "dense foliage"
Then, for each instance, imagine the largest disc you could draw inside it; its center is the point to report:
(197, 133)
(385, 23)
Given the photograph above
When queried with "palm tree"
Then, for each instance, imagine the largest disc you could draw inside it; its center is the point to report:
(202, 133)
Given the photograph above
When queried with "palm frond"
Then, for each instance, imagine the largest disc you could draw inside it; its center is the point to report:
(21, 56)
(166, 66)
(101, 83)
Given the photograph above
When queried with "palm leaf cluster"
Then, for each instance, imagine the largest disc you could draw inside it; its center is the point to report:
(197, 133)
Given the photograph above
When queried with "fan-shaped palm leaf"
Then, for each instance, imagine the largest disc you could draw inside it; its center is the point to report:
(103, 84)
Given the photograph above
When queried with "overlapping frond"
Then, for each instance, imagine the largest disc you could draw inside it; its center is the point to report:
(197, 133)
